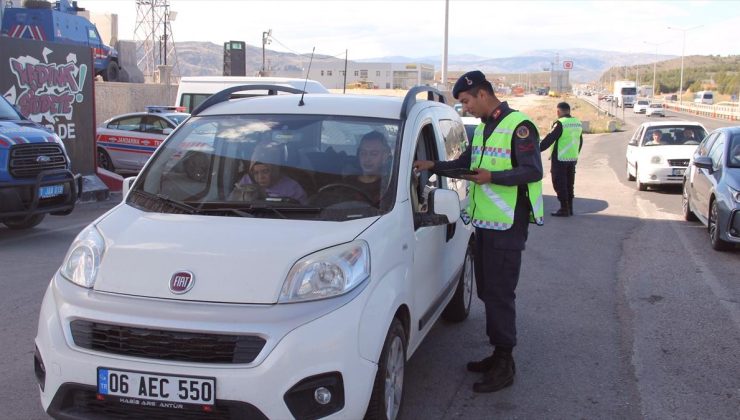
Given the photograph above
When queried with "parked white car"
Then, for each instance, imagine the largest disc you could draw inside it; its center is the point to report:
(226, 295)
(655, 109)
(659, 152)
(641, 106)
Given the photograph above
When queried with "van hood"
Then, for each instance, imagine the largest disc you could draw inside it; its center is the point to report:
(21, 132)
(232, 259)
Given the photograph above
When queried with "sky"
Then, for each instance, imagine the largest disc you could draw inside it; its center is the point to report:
(415, 28)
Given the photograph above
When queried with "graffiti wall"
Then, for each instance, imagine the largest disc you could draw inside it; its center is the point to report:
(52, 84)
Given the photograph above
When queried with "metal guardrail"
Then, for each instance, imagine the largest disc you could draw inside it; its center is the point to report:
(724, 112)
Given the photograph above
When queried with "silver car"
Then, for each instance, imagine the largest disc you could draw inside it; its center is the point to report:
(125, 142)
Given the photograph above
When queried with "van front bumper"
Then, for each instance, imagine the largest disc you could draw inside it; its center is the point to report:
(22, 198)
(302, 345)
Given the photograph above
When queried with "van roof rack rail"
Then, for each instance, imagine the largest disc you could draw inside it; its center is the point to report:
(410, 98)
(225, 94)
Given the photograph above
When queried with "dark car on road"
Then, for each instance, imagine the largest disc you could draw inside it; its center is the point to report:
(711, 187)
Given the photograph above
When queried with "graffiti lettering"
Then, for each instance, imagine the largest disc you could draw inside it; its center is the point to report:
(36, 76)
(43, 104)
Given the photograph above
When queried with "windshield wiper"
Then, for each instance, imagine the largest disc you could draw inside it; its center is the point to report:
(164, 199)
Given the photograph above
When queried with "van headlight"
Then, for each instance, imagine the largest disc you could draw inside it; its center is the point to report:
(327, 273)
(81, 264)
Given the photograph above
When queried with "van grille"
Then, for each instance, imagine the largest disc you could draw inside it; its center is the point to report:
(28, 160)
(166, 345)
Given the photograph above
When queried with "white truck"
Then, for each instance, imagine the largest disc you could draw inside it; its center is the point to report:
(625, 93)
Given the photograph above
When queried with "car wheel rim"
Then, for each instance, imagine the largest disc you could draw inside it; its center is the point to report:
(104, 161)
(394, 378)
(713, 233)
(468, 281)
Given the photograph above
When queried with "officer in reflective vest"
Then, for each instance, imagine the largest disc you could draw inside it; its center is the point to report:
(566, 137)
(505, 195)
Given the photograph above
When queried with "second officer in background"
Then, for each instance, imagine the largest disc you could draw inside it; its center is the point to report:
(566, 139)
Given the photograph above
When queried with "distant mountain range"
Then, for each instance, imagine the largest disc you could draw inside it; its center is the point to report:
(205, 58)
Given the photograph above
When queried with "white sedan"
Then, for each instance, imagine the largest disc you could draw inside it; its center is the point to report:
(655, 109)
(641, 106)
(659, 152)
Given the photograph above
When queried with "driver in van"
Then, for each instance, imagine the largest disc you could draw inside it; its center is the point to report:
(373, 155)
(265, 173)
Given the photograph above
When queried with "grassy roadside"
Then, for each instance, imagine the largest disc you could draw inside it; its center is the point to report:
(543, 114)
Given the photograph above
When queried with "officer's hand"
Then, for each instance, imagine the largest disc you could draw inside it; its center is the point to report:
(423, 165)
(481, 176)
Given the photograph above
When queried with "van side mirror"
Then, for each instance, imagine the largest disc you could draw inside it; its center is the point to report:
(444, 208)
(704, 162)
(126, 186)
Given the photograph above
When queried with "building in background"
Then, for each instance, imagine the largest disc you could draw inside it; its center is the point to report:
(330, 73)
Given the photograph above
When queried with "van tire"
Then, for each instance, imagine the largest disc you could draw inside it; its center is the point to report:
(112, 72)
(36, 4)
(20, 223)
(458, 308)
(396, 337)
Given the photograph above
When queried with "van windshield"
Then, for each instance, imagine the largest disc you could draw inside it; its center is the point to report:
(276, 166)
(7, 112)
(629, 91)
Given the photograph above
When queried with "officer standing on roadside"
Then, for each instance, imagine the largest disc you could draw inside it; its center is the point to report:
(505, 196)
(567, 136)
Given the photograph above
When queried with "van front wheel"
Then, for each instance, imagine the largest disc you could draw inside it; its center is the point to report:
(387, 396)
(459, 307)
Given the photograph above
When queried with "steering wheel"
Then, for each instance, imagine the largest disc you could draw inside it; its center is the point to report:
(335, 186)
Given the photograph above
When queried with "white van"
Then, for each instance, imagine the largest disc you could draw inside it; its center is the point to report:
(704, 97)
(279, 284)
(192, 91)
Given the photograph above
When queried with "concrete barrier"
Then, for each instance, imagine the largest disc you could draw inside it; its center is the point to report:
(114, 98)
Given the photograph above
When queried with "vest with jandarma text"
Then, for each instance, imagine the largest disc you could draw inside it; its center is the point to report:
(491, 206)
(570, 140)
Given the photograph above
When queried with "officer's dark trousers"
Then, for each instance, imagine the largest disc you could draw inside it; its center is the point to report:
(563, 179)
(496, 276)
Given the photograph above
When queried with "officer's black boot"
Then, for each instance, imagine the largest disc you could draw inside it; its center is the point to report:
(499, 377)
(562, 211)
(481, 366)
(570, 207)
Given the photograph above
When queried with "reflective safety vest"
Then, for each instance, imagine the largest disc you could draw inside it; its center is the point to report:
(570, 141)
(491, 206)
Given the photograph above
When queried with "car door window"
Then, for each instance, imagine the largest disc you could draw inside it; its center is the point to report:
(154, 125)
(424, 182)
(129, 124)
(455, 140)
(706, 145)
(717, 152)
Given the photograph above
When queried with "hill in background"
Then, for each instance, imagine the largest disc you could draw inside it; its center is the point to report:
(701, 72)
(206, 58)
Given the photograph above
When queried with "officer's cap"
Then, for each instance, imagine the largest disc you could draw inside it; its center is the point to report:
(468, 81)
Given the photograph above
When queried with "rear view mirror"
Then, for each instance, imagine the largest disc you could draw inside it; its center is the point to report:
(126, 186)
(704, 162)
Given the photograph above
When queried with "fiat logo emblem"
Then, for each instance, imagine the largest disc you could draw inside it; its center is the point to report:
(181, 282)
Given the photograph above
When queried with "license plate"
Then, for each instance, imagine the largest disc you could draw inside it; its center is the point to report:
(51, 191)
(157, 387)
(679, 171)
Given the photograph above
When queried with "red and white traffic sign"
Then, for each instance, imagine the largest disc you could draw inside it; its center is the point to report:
(568, 65)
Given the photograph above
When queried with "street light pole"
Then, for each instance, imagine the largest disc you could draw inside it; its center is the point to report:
(655, 62)
(683, 52)
(444, 55)
(265, 40)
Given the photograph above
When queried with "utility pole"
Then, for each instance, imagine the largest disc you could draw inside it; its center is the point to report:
(444, 55)
(265, 40)
(683, 52)
(344, 86)
(655, 63)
